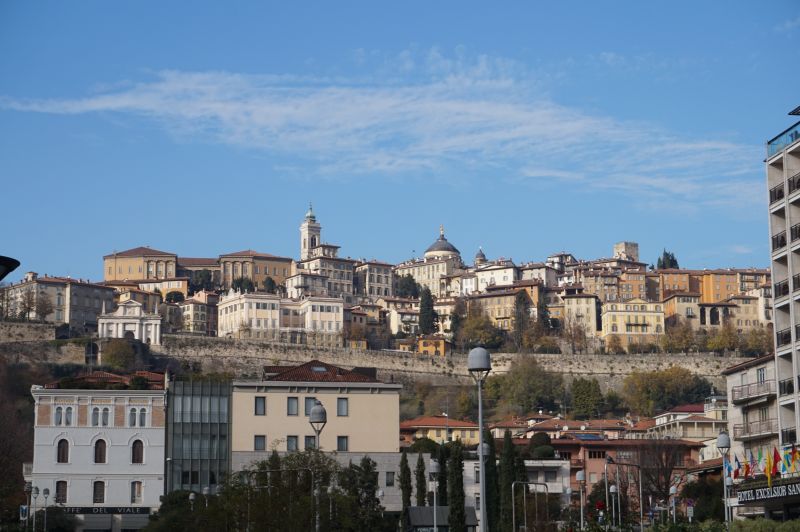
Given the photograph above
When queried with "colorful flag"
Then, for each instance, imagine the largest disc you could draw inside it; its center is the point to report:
(760, 461)
(794, 458)
(753, 470)
(768, 469)
(776, 460)
(786, 464)
(738, 467)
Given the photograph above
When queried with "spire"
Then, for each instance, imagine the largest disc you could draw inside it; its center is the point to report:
(441, 231)
(310, 214)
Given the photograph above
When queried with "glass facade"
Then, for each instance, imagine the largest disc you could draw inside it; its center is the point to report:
(198, 434)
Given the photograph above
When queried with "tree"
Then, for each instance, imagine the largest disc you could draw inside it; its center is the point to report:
(661, 462)
(707, 496)
(243, 284)
(407, 287)
(201, 280)
(648, 392)
(428, 319)
(119, 354)
(368, 503)
(614, 345)
(457, 316)
(525, 387)
(678, 337)
(405, 484)
(479, 330)
(466, 405)
(522, 316)
(457, 518)
(491, 490)
(667, 260)
(726, 338)
(757, 341)
(441, 480)
(574, 332)
(507, 477)
(44, 306)
(587, 399)
(269, 285)
(422, 484)
(174, 297)
(27, 303)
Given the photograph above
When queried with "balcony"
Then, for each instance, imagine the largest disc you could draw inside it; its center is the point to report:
(27, 470)
(795, 232)
(783, 337)
(776, 194)
(786, 387)
(784, 139)
(794, 182)
(788, 436)
(781, 288)
(779, 241)
(755, 429)
(746, 392)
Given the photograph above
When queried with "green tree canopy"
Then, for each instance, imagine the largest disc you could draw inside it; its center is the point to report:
(649, 392)
(243, 284)
(587, 399)
(478, 329)
(420, 481)
(457, 518)
(269, 285)
(522, 317)
(667, 260)
(428, 319)
(119, 354)
(525, 387)
(407, 287)
(405, 483)
(174, 297)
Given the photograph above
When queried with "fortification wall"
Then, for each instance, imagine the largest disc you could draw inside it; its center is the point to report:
(26, 332)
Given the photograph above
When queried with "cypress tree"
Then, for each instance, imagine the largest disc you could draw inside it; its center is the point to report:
(422, 484)
(427, 316)
(441, 482)
(490, 477)
(507, 477)
(405, 484)
(457, 518)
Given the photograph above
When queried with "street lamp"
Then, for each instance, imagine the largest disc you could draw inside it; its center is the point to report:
(7, 265)
(46, 493)
(479, 364)
(580, 476)
(613, 490)
(318, 418)
(35, 496)
(609, 460)
(433, 471)
(28, 487)
(724, 445)
(192, 497)
(206, 493)
(673, 494)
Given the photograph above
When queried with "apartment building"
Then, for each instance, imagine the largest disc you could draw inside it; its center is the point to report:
(99, 447)
(373, 279)
(139, 263)
(585, 311)
(272, 413)
(440, 429)
(633, 322)
(200, 313)
(497, 305)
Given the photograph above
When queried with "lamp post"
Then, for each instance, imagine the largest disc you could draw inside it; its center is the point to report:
(479, 364)
(580, 476)
(433, 471)
(613, 490)
(206, 493)
(318, 418)
(46, 493)
(35, 496)
(673, 494)
(28, 488)
(724, 445)
(192, 497)
(609, 460)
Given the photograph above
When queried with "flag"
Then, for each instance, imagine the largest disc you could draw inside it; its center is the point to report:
(768, 469)
(794, 458)
(776, 460)
(760, 460)
(738, 467)
(746, 467)
(753, 468)
(786, 464)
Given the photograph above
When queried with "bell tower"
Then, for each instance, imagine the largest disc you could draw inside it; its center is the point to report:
(310, 234)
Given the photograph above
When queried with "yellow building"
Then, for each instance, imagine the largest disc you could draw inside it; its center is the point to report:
(149, 300)
(632, 285)
(272, 413)
(439, 429)
(139, 263)
(434, 345)
(585, 311)
(682, 307)
(498, 305)
(254, 266)
(635, 322)
(167, 285)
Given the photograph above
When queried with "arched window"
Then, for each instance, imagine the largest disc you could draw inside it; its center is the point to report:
(62, 456)
(68, 416)
(100, 452)
(142, 417)
(105, 417)
(658, 328)
(613, 327)
(61, 492)
(95, 416)
(136, 492)
(132, 418)
(99, 492)
(137, 452)
(59, 415)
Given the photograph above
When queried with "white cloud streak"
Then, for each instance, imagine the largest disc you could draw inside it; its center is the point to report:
(456, 119)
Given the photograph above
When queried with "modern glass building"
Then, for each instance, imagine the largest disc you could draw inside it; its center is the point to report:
(198, 434)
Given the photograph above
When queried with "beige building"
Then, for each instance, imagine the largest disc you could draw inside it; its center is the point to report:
(139, 263)
(373, 279)
(272, 413)
(499, 273)
(441, 259)
(200, 313)
(255, 266)
(312, 320)
(192, 266)
(167, 285)
(304, 284)
(498, 305)
(439, 429)
(635, 322)
(585, 311)
(75, 302)
(149, 300)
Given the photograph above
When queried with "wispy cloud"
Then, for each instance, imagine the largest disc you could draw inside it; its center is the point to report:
(428, 115)
(788, 26)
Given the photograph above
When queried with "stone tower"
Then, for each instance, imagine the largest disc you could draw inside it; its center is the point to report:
(310, 234)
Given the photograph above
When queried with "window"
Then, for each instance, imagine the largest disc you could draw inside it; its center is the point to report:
(61, 492)
(100, 452)
(132, 418)
(597, 454)
(342, 443)
(259, 442)
(260, 406)
(291, 406)
(62, 455)
(389, 479)
(549, 476)
(105, 417)
(310, 442)
(136, 492)
(309, 404)
(342, 407)
(291, 443)
(59, 415)
(142, 417)
(95, 416)
(99, 492)
(137, 452)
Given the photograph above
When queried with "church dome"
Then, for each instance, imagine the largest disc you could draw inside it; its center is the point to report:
(441, 247)
(310, 214)
(480, 258)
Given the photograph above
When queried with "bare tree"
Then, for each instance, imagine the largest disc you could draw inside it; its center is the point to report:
(27, 303)
(663, 465)
(574, 332)
(44, 306)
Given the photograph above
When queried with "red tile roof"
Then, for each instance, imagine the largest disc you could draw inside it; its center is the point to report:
(155, 381)
(316, 371)
(197, 261)
(251, 253)
(139, 252)
(686, 409)
(438, 422)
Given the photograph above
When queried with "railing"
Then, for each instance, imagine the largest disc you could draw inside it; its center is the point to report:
(27, 469)
(795, 232)
(794, 182)
(747, 391)
(788, 436)
(776, 194)
(781, 288)
(783, 337)
(786, 386)
(779, 241)
(755, 428)
(784, 139)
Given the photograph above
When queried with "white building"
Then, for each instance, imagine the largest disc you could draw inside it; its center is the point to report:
(501, 272)
(129, 320)
(441, 260)
(100, 452)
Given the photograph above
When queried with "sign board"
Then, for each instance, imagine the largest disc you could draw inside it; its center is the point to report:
(23, 512)
(690, 512)
(106, 510)
(765, 492)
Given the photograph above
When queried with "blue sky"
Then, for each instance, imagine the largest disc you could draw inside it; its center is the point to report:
(204, 128)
